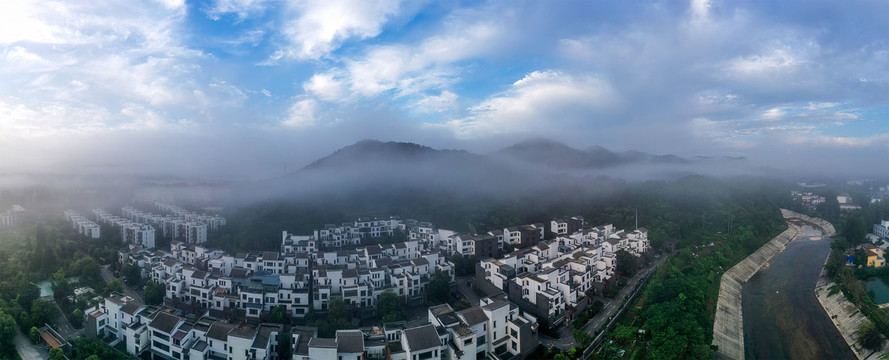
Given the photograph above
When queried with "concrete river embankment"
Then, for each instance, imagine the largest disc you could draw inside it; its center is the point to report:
(728, 326)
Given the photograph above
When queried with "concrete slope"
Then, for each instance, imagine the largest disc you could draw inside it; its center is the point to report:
(728, 325)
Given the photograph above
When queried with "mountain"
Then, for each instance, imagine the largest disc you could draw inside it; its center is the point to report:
(371, 166)
(555, 155)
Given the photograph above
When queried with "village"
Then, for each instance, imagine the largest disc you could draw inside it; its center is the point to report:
(527, 278)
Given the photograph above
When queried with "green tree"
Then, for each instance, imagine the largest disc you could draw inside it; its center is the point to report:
(56, 354)
(60, 286)
(855, 229)
(42, 312)
(387, 307)
(77, 318)
(582, 338)
(623, 333)
(860, 257)
(336, 318)
(439, 288)
(869, 336)
(132, 274)
(34, 334)
(154, 293)
(278, 314)
(336, 308)
(28, 294)
(115, 285)
(7, 331)
(626, 263)
(93, 357)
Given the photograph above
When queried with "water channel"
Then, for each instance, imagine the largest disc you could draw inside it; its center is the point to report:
(782, 317)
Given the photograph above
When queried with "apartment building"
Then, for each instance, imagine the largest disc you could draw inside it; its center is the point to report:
(82, 225)
(554, 279)
(12, 216)
(162, 333)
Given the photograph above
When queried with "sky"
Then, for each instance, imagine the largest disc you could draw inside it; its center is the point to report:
(257, 88)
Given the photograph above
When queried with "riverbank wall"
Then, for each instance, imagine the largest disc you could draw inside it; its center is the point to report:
(825, 226)
(845, 316)
(728, 325)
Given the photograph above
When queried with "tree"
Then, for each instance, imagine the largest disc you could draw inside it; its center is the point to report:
(28, 294)
(154, 293)
(93, 357)
(336, 318)
(34, 334)
(133, 274)
(278, 314)
(115, 285)
(855, 229)
(77, 318)
(336, 308)
(56, 354)
(7, 331)
(869, 336)
(582, 338)
(439, 288)
(623, 333)
(42, 312)
(88, 270)
(387, 307)
(284, 346)
(626, 263)
(60, 286)
(860, 258)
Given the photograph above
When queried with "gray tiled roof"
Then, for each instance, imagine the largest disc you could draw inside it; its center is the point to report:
(421, 338)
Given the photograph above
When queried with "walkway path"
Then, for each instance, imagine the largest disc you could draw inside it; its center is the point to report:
(27, 350)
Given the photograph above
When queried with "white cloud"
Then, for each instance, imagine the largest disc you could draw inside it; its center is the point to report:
(540, 100)
(443, 102)
(325, 87)
(321, 26)
(301, 114)
(172, 4)
(700, 8)
(242, 8)
(402, 70)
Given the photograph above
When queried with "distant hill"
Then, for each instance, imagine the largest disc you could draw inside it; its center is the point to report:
(382, 167)
(555, 155)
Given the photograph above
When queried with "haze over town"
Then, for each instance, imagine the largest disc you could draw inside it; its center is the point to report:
(239, 89)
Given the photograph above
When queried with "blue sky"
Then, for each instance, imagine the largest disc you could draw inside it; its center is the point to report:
(260, 86)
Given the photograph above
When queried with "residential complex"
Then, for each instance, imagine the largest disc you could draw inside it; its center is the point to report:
(544, 281)
(556, 277)
(809, 200)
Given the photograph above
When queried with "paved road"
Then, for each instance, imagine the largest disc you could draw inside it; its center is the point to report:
(566, 339)
(28, 351)
(64, 327)
(467, 291)
(108, 276)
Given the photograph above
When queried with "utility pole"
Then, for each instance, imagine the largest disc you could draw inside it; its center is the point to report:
(637, 218)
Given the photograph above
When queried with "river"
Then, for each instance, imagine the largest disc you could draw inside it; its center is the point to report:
(782, 317)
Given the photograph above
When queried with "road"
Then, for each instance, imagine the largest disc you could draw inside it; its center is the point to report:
(28, 351)
(108, 276)
(467, 291)
(600, 320)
